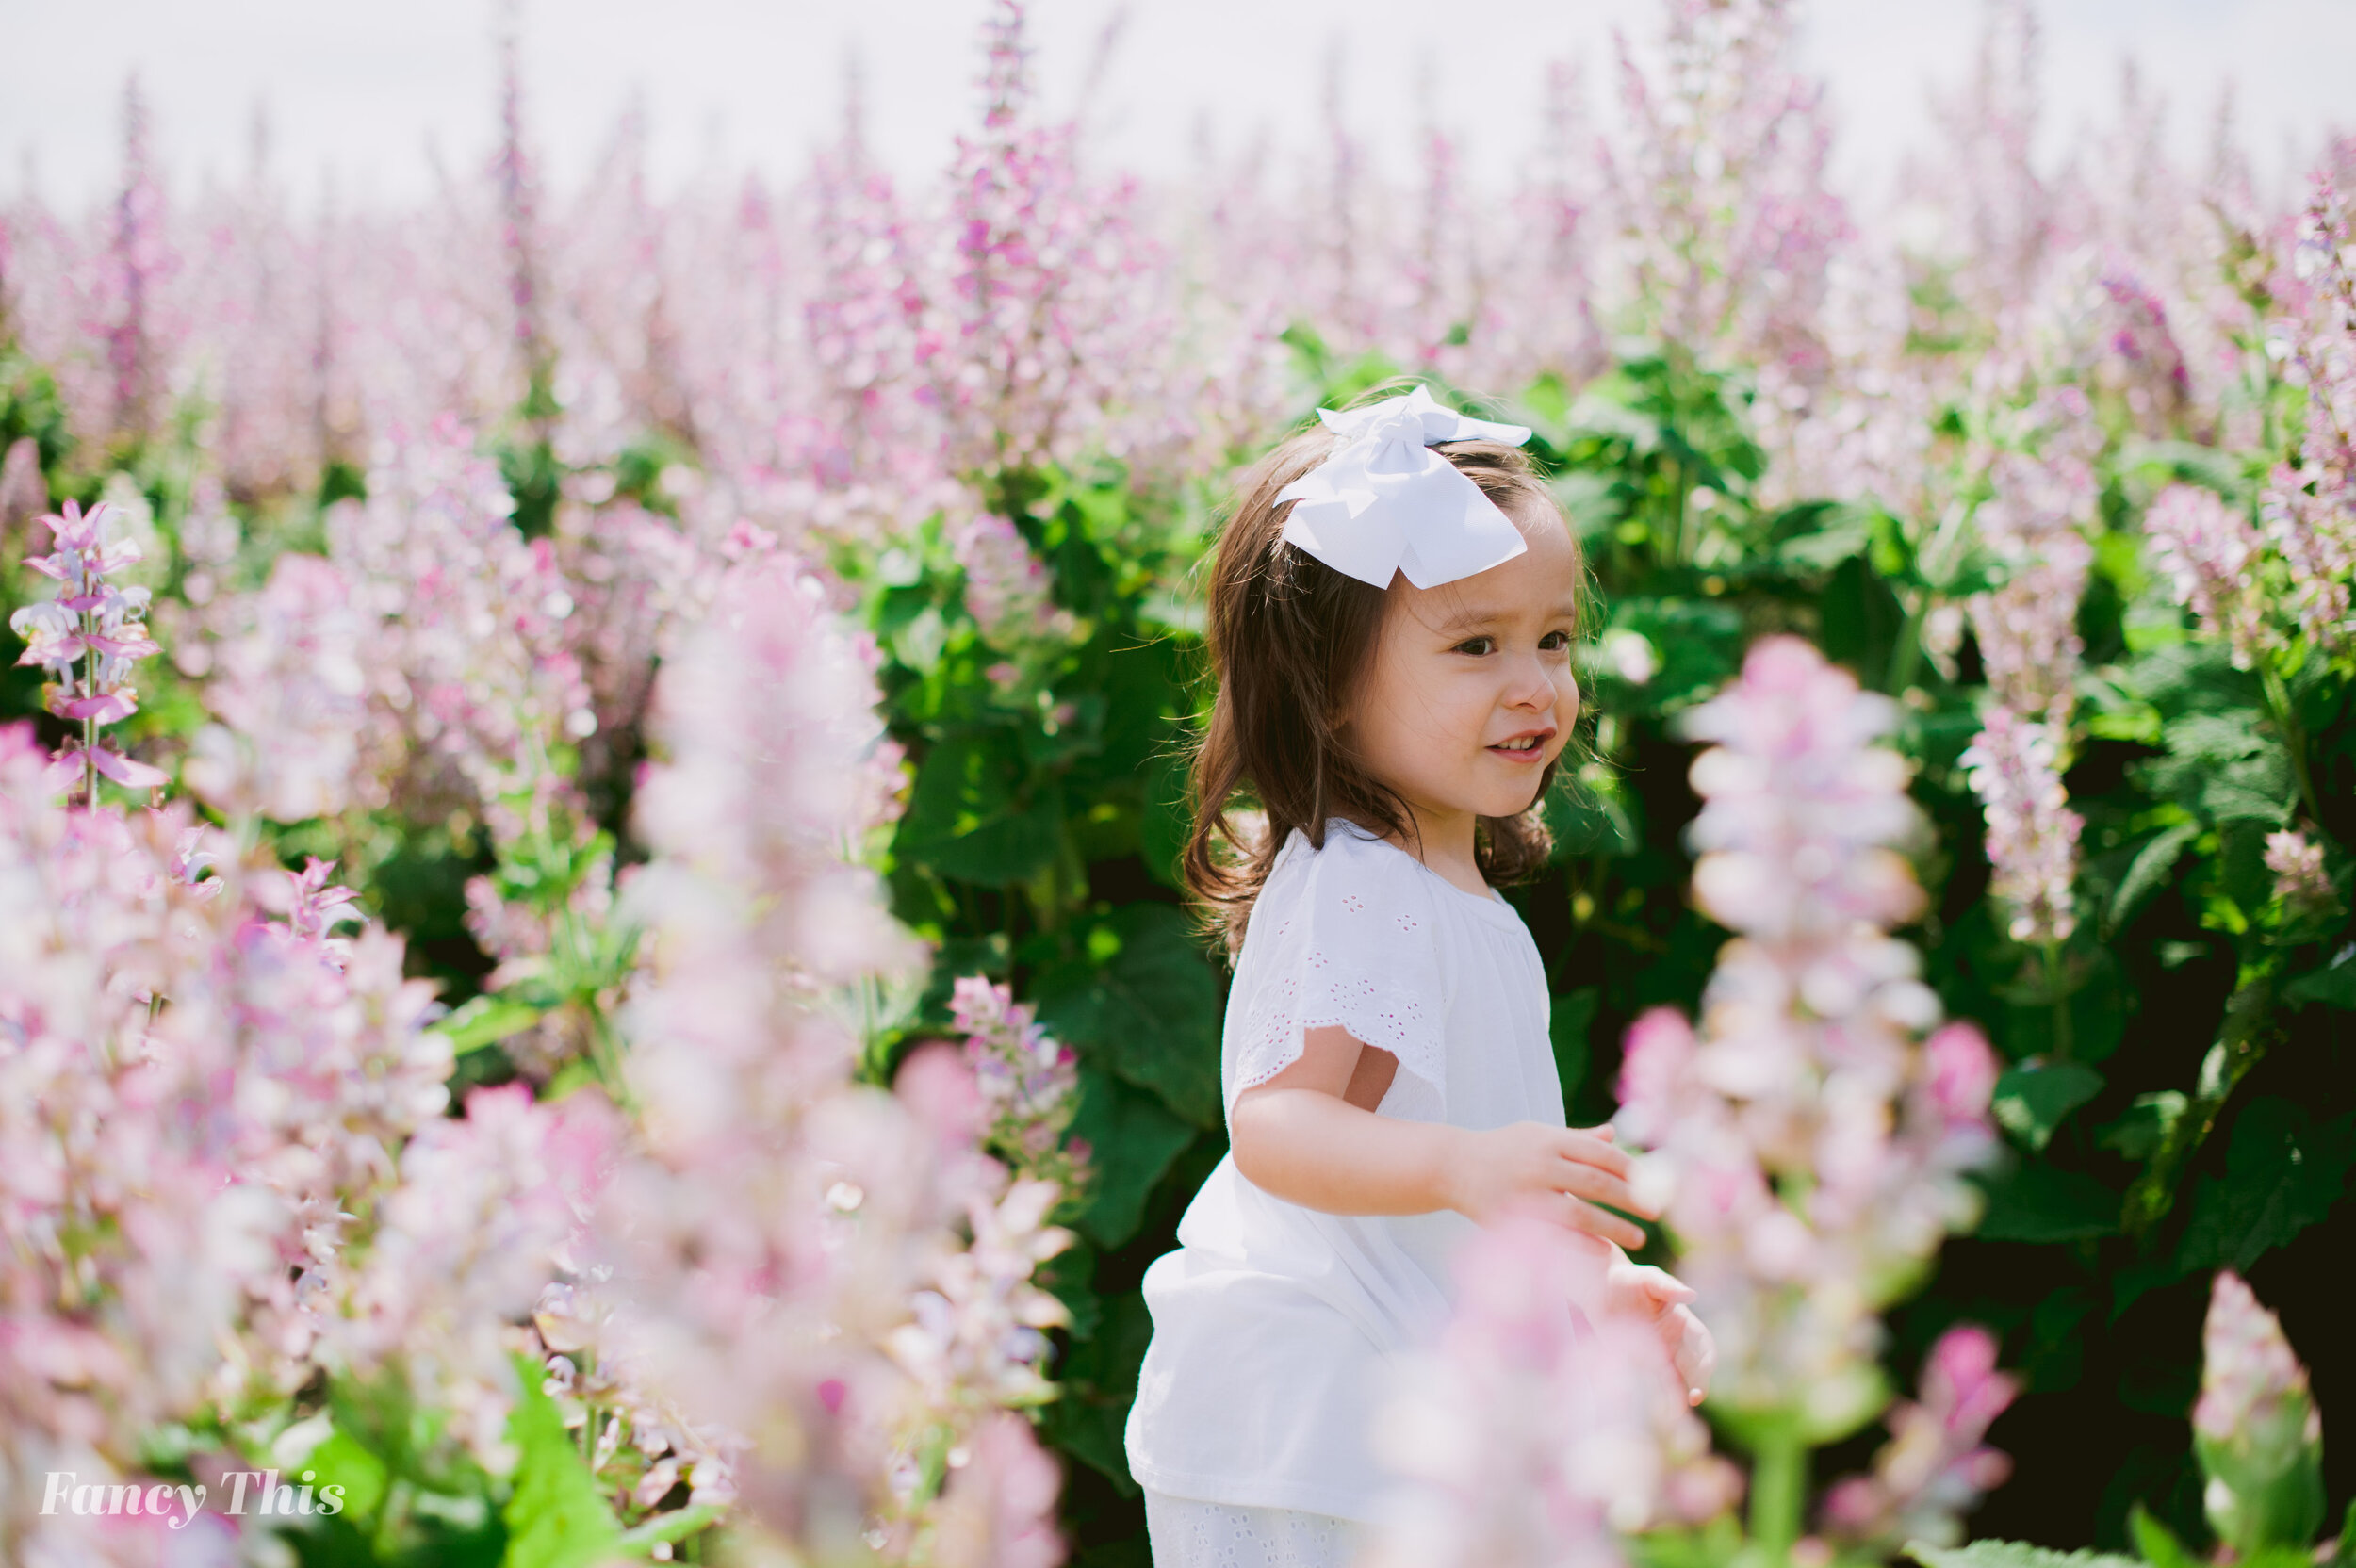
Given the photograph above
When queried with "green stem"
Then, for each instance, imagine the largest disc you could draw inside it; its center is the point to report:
(1907, 656)
(2060, 1001)
(90, 726)
(1778, 1493)
(2240, 1045)
(2294, 737)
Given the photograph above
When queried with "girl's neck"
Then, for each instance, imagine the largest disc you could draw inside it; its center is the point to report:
(1443, 840)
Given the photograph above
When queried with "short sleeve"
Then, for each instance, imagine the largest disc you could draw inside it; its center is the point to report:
(1346, 935)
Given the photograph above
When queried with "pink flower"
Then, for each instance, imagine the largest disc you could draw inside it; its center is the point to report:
(1933, 1468)
(796, 1259)
(2209, 553)
(2249, 1378)
(2031, 833)
(2299, 880)
(299, 736)
(2040, 500)
(1028, 1082)
(1006, 586)
(2157, 386)
(1807, 1154)
(1541, 1424)
(1041, 315)
(999, 1510)
(2310, 510)
(2255, 1427)
(1963, 1072)
(89, 637)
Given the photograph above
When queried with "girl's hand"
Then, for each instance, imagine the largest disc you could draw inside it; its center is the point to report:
(1562, 1172)
(1660, 1296)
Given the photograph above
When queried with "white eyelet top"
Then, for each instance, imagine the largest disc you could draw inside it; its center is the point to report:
(1273, 1322)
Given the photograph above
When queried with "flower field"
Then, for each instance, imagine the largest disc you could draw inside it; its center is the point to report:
(592, 967)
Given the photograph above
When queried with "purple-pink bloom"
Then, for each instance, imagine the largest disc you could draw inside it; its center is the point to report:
(2250, 1380)
(1543, 1423)
(87, 637)
(1933, 1469)
(2157, 383)
(2310, 509)
(2209, 553)
(1028, 1081)
(1806, 1151)
(2031, 833)
(2300, 879)
(2256, 1427)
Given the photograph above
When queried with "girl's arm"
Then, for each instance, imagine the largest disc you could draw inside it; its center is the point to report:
(1310, 1136)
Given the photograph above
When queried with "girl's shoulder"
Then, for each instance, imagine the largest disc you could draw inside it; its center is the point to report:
(1353, 871)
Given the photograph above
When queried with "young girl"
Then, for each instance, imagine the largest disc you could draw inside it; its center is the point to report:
(1391, 621)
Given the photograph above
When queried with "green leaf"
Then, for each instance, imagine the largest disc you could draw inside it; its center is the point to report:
(2031, 1099)
(1587, 814)
(1165, 822)
(2095, 999)
(2333, 986)
(1150, 1012)
(2039, 1202)
(674, 1525)
(343, 1461)
(1099, 1384)
(2011, 1554)
(2057, 1353)
(556, 1517)
(2156, 1541)
(2140, 1132)
(1711, 1545)
(1816, 536)
(1567, 1022)
(1862, 620)
(1700, 643)
(486, 1021)
(974, 815)
(2147, 872)
(1132, 1140)
(2283, 1174)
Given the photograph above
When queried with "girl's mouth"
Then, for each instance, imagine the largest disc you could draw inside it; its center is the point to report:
(1522, 748)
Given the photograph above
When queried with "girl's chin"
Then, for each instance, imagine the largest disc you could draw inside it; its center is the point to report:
(1500, 803)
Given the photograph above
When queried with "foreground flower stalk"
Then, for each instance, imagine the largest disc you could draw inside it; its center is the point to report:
(1532, 1434)
(784, 1243)
(88, 638)
(1808, 1143)
(1028, 1082)
(2255, 1428)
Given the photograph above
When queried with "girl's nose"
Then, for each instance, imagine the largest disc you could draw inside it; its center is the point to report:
(1528, 684)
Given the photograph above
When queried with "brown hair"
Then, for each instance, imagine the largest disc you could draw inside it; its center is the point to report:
(1289, 636)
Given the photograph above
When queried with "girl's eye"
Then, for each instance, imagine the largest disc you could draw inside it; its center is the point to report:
(1555, 640)
(1476, 644)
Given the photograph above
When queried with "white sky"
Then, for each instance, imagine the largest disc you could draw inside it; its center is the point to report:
(362, 88)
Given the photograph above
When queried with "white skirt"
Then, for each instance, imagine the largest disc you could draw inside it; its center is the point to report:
(1186, 1532)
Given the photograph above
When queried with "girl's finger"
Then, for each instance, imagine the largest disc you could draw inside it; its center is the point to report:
(1585, 1217)
(1663, 1286)
(1585, 1149)
(1696, 1353)
(1598, 1186)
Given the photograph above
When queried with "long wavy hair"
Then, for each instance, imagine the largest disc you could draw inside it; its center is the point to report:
(1288, 640)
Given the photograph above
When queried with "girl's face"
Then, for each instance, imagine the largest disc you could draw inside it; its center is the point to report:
(1470, 693)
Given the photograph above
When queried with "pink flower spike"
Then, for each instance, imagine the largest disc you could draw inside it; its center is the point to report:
(124, 770)
(106, 708)
(73, 529)
(1962, 1075)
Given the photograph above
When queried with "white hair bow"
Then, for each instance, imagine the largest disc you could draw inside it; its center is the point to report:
(1386, 502)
